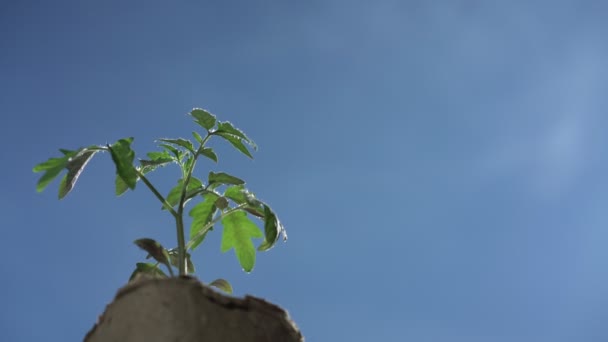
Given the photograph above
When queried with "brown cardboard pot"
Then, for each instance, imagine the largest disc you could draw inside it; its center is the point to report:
(184, 310)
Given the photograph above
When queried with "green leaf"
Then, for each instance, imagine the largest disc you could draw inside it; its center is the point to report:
(203, 118)
(236, 193)
(175, 193)
(177, 153)
(272, 228)
(155, 249)
(149, 269)
(208, 152)
(52, 168)
(187, 165)
(65, 152)
(237, 143)
(159, 157)
(240, 195)
(197, 137)
(201, 214)
(187, 144)
(238, 232)
(226, 127)
(54, 163)
(235, 137)
(174, 256)
(153, 164)
(120, 187)
(222, 284)
(75, 165)
(223, 178)
(123, 156)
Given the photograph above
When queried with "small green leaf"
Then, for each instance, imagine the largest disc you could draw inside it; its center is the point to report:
(223, 178)
(120, 187)
(187, 144)
(160, 157)
(208, 152)
(237, 143)
(175, 193)
(222, 284)
(153, 164)
(201, 214)
(236, 137)
(197, 137)
(272, 228)
(149, 269)
(123, 156)
(75, 166)
(187, 165)
(52, 168)
(177, 153)
(147, 166)
(65, 152)
(203, 118)
(237, 234)
(174, 255)
(155, 250)
(226, 127)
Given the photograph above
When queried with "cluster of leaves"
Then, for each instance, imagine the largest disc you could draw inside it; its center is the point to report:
(223, 198)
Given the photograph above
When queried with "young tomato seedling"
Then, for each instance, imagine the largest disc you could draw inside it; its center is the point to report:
(221, 198)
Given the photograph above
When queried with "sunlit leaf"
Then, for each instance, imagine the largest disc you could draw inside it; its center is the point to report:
(203, 118)
(153, 164)
(222, 284)
(272, 228)
(236, 193)
(75, 166)
(197, 137)
(52, 168)
(237, 143)
(123, 156)
(236, 137)
(175, 193)
(201, 214)
(237, 234)
(147, 166)
(159, 157)
(187, 164)
(240, 195)
(208, 152)
(177, 153)
(187, 144)
(226, 127)
(223, 178)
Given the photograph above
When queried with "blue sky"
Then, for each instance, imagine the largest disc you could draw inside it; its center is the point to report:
(440, 167)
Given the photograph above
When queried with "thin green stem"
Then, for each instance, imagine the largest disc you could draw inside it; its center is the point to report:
(179, 219)
(156, 193)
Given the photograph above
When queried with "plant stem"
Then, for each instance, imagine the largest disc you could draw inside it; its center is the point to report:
(179, 219)
(156, 193)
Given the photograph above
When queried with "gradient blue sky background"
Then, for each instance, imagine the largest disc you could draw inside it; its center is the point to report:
(440, 166)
